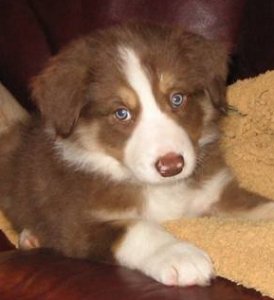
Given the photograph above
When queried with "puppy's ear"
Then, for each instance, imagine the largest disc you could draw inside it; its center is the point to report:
(217, 92)
(217, 62)
(60, 90)
(209, 58)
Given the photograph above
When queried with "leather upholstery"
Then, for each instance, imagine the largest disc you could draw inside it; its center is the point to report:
(5, 244)
(31, 31)
(256, 39)
(43, 275)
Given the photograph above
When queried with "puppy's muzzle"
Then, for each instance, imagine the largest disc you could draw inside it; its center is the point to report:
(170, 164)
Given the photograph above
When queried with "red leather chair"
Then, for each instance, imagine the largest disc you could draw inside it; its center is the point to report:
(30, 32)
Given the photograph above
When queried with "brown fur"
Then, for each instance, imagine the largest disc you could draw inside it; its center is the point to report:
(78, 91)
(235, 200)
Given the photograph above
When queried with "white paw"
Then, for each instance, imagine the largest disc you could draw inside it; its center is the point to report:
(180, 264)
(27, 240)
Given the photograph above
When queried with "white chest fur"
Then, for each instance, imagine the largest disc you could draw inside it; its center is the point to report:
(176, 200)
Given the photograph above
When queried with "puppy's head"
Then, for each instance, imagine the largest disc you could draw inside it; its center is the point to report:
(135, 102)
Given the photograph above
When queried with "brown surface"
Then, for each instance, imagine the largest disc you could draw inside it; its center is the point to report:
(40, 274)
(5, 243)
(255, 49)
(30, 31)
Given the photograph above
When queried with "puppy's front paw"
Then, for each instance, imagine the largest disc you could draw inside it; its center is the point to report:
(180, 264)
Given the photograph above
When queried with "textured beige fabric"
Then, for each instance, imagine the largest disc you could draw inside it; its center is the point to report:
(242, 251)
(10, 111)
(248, 140)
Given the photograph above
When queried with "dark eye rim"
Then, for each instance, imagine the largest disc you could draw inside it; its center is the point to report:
(182, 103)
(127, 118)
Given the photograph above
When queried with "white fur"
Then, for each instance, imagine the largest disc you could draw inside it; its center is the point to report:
(156, 253)
(27, 240)
(106, 215)
(88, 155)
(172, 201)
(96, 161)
(208, 136)
(155, 134)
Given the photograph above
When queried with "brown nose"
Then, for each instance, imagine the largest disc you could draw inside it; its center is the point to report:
(170, 164)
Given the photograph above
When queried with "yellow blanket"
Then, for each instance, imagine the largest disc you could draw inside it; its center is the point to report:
(242, 251)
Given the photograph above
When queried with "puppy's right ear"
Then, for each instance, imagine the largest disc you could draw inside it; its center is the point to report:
(60, 90)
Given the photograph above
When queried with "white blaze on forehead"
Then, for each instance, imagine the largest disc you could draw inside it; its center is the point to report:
(137, 79)
(156, 134)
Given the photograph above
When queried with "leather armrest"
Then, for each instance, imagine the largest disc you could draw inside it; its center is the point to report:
(41, 274)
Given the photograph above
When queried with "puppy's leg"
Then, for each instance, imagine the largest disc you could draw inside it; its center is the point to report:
(239, 202)
(148, 248)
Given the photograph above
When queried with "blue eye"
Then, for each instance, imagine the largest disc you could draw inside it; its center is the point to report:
(177, 99)
(122, 114)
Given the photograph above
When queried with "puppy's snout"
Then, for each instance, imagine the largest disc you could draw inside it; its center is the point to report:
(170, 164)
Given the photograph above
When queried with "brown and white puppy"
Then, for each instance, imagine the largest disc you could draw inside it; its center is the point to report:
(127, 138)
